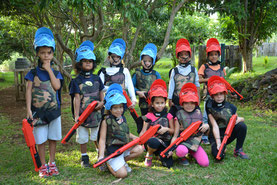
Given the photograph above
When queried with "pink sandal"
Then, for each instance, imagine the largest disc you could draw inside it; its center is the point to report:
(148, 161)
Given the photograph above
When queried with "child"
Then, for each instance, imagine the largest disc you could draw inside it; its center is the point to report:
(116, 73)
(188, 114)
(158, 115)
(181, 74)
(114, 133)
(84, 89)
(219, 113)
(43, 100)
(211, 68)
(142, 79)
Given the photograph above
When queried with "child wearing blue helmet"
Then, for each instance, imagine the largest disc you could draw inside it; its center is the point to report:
(143, 78)
(84, 89)
(43, 100)
(114, 133)
(116, 73)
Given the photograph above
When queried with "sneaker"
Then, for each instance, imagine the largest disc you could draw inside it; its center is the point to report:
(205, 141)
(103, 167)
(129, 170)
(43, 171)
(184, 161)
(85, 161)
(148, 161)
(240, 153)
(53, 170)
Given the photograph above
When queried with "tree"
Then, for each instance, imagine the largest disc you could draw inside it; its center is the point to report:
(250, 21)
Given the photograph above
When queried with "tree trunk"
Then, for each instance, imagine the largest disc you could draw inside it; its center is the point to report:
(247, 58)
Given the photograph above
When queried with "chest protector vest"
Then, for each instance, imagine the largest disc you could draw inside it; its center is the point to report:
(208, 72)
(118, 77)
(221, 115)
(185, 119)
(143, 84)
(44, 100)
(180, 80)
(163, 121)
(117, 134)
(89, 92)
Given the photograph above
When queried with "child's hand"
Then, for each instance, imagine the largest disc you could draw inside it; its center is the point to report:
(170, 103)
(162, 130)
(169, 154)
(133, 105)
(204, 128)
(100, 105)
(239, 119)
(76, 119)
(46, 65)
(29, 115)
(141, 94)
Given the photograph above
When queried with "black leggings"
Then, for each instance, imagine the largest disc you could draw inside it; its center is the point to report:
(239, 133)
(159, 145)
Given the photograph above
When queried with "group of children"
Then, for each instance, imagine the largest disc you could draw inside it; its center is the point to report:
(108, 127)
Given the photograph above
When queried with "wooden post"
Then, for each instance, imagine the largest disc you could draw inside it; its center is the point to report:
(20, 83)
(202, 56)
(231, 56)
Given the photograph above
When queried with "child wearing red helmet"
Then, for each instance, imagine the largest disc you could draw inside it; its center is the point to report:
(219, 113)
(211, 68)
(157, 96)
(185, 116)
(181, 74)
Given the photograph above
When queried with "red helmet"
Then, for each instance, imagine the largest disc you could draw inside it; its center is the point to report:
(189, 93)
(216, 85)
(213, 45)
(158, 88)
(182, 45)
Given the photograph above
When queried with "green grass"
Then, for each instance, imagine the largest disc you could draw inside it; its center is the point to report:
(16, 166)
(6, 79)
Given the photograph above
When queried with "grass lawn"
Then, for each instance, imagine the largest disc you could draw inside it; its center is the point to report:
(16, 165)
(260, 145)
(6, 79)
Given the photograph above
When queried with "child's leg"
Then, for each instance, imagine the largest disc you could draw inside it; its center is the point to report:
(181, 151)
(239, 133)
(52, 150)
(135, 152)
(41, 151)
(200, 156)
(117, 166)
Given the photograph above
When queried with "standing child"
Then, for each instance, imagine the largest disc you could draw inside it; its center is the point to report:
(84, 89)
(188, 114)
(43, 100)
(116, 73)
(219, 113)
(158, 115)
(181, 74)
(114, 133)
(211, 68)
(143, 78)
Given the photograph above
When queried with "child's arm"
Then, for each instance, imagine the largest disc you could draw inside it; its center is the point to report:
(176, 130)
(171, 87)
(216, 132)
(204, 128)
(201, 74)
(144, 128)
(130, 86)
(76, 104)
(28, 96)
(202, 79)
(102, 140)
(101, 102)
(55, 82)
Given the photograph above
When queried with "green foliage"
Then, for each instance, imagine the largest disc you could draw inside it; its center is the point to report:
(265, 60)
(229, 71)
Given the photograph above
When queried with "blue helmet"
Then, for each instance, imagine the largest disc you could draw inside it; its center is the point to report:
(150, 50)
(118, 47)
(114, 96)
(85, 51)
(44, 37)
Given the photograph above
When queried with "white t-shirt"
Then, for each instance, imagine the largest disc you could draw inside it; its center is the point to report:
(128, 80)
